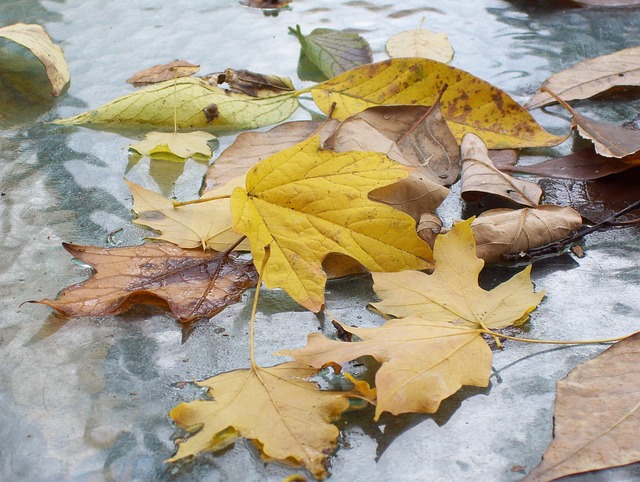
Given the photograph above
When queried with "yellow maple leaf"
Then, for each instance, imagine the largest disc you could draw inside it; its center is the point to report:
(307, 202)
(423, 362)
(205, 225)
(469, 104)
(175, 146)
(452, 293)
(277, 408)
(437, 346)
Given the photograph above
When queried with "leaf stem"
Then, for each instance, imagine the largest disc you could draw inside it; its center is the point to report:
(424, 116)
(553, 342)
(177, 204)
(254, 308)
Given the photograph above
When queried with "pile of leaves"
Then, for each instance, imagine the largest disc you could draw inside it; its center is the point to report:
(356, 192)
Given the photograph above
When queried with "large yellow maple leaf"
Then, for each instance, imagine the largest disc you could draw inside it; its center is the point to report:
(285, 415)
(437, 346)
(306, 202)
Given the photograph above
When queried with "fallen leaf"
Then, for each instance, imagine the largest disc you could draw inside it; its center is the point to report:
(193, 284)
(421, 135)
(468, 103)
(420, 43)
(160, 73)
(583, 165)
(609, 140)
(423, 362)
(175, 146)
(597, 415)
(203, 225)
(333, 51)
(510, 231)
(36, 39)
(198, 105)
(591, 77)
(415, 194)
(451, 294)
(266, 4)
(249, 148)
(481, 177)
(306, 202)
(429, 227)
(436, 347)
(254, 84)
(607, 3)
(287, 417)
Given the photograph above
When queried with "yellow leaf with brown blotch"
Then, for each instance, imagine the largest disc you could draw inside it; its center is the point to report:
(286, 416)
(197, 105)
(469, 104)
(306, 202)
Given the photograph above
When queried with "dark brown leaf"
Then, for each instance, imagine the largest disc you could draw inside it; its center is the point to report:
(193, 284)
(254, 84)
(583, 165)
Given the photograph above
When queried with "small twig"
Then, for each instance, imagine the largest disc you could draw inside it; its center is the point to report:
(177, 204)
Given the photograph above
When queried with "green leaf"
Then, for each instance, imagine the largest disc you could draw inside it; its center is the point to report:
(197, 105)
(333, 51)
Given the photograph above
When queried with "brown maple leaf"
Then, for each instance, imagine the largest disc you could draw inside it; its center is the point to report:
(193, 284)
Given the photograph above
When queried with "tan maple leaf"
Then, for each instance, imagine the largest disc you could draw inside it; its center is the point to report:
(437, 346)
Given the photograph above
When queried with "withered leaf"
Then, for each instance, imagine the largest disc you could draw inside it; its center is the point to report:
(481, 177)
(422, 136)
(193, 284)
(582, 165)
(597, 415)
(502, 231)
(249, 148)
(254, 84)
(592, 76)
(609, 140)
(160, 73)
(429, 227)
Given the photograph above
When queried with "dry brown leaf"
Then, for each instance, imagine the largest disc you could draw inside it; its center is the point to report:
(590, 77)
(254, 84)
(597, 415)
(193, 284)
(481, 177)
(583, 165)
(422, 135)
(250, 148)
(286, 416)
(429, 227)
(502, 231)
(609, 140)
(160, 73)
